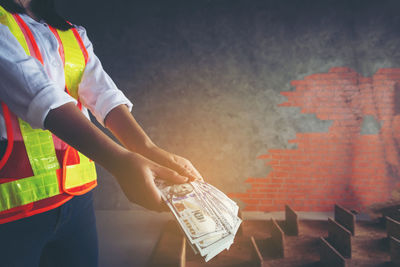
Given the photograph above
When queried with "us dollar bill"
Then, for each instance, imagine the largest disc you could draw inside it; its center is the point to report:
(206, 247)
(192, 214)
(205, 214)
(226, 210)
(218, 250)
(214, 245)
(226, 216)
(219, 195)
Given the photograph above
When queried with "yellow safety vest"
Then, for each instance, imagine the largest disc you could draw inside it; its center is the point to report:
(49, 178)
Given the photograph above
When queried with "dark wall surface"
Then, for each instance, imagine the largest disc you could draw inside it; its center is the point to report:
(205, 76)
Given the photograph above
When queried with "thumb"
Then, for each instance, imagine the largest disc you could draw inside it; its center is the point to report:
(154, 199)
(183, 171)
(188, 171)
(170, 175)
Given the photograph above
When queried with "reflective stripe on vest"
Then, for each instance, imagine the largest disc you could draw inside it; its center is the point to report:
(75, 179)
(74, 61)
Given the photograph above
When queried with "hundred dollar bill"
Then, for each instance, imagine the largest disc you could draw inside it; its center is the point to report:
(209, 245)
(219, 195)
(221, 208)
(218, 250)
(192, 214)
(195, 251)
(230, 221)
(211, 190)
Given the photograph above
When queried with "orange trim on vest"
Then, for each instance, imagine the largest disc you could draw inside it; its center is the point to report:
(33, 208)
(76, 191)
(10, 135)
(29, 37)
(80, 42)
(60, 46)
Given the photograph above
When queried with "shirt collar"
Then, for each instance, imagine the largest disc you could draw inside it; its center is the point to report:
(30, 20)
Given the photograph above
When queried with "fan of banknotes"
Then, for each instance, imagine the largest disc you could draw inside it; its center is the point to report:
(206, 215)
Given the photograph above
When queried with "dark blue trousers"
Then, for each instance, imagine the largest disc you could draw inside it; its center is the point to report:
(65, 236)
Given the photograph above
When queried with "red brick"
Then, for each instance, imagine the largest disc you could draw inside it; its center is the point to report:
(257, 195)
(253, 190)
(280, 174)
(274, 162)
(274, 185)
(268, 190)
(256, 180)
(251, 208)
(280, 202)
(237, 195)
(284, 168)
(250, 201)
(266, 202)
(259, 185)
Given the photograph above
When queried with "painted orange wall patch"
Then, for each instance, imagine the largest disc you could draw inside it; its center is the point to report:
(343, 165)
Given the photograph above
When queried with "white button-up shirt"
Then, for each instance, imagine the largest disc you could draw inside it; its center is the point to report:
(31, 89)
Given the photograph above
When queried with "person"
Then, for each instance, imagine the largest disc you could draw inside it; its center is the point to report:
(50, 78)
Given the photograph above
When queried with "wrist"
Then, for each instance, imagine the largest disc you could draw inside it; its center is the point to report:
(146, 148)
(117, 160)
(158, 155)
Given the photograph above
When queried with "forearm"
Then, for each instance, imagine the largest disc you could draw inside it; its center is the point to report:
(68, 123)
(128, 131)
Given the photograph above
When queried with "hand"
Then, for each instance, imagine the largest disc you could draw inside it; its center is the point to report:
(174, 162)
(124, 126)
(136, 175)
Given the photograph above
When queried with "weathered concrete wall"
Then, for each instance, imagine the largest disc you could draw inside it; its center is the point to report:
(205, 76)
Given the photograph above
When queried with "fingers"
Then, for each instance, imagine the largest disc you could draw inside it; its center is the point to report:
(184, 171)
(170, 175)
(195, 172)
(185, 167)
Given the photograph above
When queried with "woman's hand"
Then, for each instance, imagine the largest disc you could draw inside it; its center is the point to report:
(172, 161)
(124, 126)
(136, 176)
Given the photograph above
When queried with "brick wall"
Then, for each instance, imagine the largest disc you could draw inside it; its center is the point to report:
(343, 165)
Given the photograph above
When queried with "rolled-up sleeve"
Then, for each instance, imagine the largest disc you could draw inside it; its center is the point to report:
(97, 91)
(24, 85)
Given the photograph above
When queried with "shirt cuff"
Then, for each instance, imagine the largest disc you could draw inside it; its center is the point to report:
(107, 102)
(47, 99)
